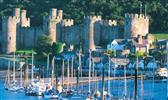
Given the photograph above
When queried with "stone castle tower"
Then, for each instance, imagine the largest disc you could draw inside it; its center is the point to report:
(10, 27)
(90, 38)
(136, 24)
(51, 24)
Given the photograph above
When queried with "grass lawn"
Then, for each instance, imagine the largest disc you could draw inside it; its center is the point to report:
(161, 35)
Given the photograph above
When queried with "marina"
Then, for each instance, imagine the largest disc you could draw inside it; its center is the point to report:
(147, 92)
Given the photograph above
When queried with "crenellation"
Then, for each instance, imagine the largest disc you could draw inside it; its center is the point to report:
(67, 22)
(25, 22)
(136, 16)
(109, 22)
(23, 13)
(136, 24)
(10, 18)
(94, 18)
(16, 12)
(60, 14)
(53, 13)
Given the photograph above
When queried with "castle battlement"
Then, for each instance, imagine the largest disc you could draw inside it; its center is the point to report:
(52, 19)
(57, 18)
(136, 16)
(94, 18)
(27, 19)
(110, 22)
(11, 18)
(67, 22)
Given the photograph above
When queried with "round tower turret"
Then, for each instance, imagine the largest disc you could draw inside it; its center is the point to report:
(89, 39)
(16, 12)
(10, 35)
(53, 13)
(25, 22)
(60, 13)
(136, 24)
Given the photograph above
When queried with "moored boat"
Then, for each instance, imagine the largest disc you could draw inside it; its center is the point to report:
(161, 73)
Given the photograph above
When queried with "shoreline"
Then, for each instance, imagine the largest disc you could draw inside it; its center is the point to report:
(73, 81)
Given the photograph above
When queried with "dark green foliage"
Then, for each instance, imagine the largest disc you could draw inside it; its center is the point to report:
(57, 48)
(43, 45)
(78, 9)
(110, 53)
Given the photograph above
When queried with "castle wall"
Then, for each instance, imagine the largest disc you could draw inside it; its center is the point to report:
(30, 36)
(109, 33)
(97, 33)
(72, 35)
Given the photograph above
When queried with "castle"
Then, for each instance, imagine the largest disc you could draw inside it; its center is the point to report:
(18, 34)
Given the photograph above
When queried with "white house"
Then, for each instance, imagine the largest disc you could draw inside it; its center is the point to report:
(115, 46)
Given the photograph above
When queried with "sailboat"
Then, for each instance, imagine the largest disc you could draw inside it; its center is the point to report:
(108, 96)
(89, 95)
(142, 89)
(51, 92)
(167, 67)
(13, 85)
(7, 80)
(97, 92)
(21, 87)
(125, 83)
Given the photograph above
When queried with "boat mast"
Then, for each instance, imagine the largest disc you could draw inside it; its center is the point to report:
(62, 73)
(93, 70)
(109, 75)
(89, 67)
(26, 73)
(52, 80)
(142, 87)
(103, 84)
(21, 80)
(80, 67)
(125, 82)
(74, 79)
(71, 72)
(96, 78)
(48, 61)
(14, 67)
(68, 75)
(77, 80)
(32, 66)
(167, 67)
(8, 77)
(135, 81)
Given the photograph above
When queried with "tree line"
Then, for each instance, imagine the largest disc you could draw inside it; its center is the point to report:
(79, 9)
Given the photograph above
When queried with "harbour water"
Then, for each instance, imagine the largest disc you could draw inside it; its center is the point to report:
(149, 90)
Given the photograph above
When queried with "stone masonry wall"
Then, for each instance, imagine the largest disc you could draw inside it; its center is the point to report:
(136, 25)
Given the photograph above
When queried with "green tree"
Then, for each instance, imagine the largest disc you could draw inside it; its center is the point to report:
(111, 53)
(57, 48)
(43, 44)
(159, 55)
